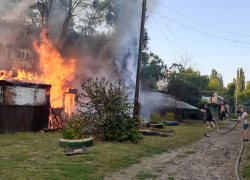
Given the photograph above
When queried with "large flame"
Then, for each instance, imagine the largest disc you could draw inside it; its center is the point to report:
(54, 71)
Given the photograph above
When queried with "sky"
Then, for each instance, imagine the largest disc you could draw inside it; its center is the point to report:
(207, 51)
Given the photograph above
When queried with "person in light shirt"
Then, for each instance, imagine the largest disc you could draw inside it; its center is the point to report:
(245, 120)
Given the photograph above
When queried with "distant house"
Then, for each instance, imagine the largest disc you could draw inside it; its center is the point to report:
(208, 99)
(15, 57)
(162, 84)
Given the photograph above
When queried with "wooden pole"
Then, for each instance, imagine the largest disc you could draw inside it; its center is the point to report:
(237, 84)
(136, 104)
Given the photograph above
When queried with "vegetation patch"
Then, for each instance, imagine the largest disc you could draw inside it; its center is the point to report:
(142, 176)
(49, 161)
(171, 162)
(246, 171)
(190, 152)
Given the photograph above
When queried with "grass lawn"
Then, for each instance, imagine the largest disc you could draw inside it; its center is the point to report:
(38, 156)
(245, 166)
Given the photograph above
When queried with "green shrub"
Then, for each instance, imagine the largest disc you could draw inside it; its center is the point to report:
(107, 105)
(134, 135)
(234, 116)
(170, 116)
(155, 117)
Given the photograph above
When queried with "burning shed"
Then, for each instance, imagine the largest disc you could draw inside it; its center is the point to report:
(23, 106)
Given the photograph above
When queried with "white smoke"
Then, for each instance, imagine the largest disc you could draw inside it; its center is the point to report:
(152, 101)
(11, 9)
(126, 39)
(11, 21)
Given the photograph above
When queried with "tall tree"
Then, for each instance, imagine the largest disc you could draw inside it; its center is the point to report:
(216, 80)
(240, 85)
(240, 80)
(153, 68)
(220, 80)
(230, 95)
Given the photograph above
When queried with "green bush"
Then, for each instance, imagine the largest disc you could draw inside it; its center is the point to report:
(134, 135)
(155, 117)
(170, 116)
(107, 105)
(234, 116)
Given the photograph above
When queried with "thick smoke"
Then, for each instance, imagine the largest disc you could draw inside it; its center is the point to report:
(11, 9)
(11, 20)
(114, 57)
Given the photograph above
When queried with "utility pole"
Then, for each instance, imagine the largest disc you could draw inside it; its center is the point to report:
(237, 84)
(136, 104)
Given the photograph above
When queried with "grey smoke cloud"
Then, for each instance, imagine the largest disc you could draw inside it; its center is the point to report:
(11, 9)
(10, 21)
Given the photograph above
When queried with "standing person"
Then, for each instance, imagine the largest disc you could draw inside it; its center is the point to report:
(209, 116)
(245, 120)
(222, 111)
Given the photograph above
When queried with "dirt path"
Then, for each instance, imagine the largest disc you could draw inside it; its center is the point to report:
(209, 158)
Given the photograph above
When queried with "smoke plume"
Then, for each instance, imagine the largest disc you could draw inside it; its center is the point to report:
(11, 20)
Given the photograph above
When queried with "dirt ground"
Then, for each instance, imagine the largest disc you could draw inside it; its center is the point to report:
(209, 158)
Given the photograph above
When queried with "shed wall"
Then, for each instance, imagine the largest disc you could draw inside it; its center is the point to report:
(24, 114)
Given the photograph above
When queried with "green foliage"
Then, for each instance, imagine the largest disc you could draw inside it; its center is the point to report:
(190, 152)
(142, 176)
(134, 135)
(216, 81)
(170, 116)
(245, 172)
(234, 116)
(107, 105)
(184, 91)
(240, 80)
(155, 117)
(245, 95)
(153, 69)
(74, 130)
(185, 85)
(230, 94)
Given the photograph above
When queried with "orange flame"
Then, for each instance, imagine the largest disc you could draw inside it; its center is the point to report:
(54, 71)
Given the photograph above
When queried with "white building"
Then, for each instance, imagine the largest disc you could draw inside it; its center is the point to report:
(15, 58)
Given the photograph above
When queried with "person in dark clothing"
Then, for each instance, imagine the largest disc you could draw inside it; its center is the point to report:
(222, 111)
(209, 116)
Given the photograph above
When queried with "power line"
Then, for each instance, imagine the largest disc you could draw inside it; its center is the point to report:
(164, 34)
(189, 27)
(197, 30)
(168, 27)
(206, 54)
(200, 22)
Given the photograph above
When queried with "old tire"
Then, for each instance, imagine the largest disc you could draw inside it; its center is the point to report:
(156, 125)
(169, 123)
(76, 143)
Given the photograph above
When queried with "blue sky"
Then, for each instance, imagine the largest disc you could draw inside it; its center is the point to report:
(208, 52)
